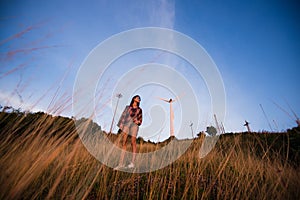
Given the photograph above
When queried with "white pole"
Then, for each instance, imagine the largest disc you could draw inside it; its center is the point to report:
(112, 123)
(171, 120)
(217, 124)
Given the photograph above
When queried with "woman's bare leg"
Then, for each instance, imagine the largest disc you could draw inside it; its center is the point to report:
(133, 144)
(123, 148)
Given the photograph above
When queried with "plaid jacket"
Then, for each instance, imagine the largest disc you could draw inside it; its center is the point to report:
(130, 115)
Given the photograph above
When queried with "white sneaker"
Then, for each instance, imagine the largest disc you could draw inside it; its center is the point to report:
(131, 165)
(119, 167)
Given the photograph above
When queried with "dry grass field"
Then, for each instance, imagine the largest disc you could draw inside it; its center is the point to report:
(42, 157)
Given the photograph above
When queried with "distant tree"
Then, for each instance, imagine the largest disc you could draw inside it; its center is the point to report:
(212, 131)
(5, 108)
(140, 140)
(201, 133)
(18, 111)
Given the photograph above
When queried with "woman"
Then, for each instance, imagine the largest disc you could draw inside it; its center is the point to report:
(129, 123)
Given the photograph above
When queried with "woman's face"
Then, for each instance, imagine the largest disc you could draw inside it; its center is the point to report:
(137, 99)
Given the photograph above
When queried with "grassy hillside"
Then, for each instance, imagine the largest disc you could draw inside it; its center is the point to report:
(42, 157)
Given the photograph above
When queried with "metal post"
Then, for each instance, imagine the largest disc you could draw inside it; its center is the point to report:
(112, 123)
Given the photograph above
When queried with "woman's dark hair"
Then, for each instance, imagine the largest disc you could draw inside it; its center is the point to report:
(132, 100)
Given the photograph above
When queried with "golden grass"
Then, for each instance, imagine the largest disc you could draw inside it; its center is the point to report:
(45, 159)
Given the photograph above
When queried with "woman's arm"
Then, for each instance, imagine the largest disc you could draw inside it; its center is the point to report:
(139, 117)
(123, 116)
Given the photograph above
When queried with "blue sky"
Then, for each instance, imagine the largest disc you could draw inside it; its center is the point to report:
(255, 45)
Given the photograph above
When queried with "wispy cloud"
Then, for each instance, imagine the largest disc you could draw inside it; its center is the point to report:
(163, 13)
(159, 13)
